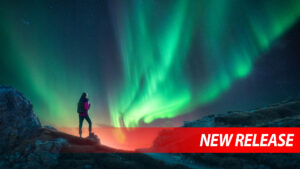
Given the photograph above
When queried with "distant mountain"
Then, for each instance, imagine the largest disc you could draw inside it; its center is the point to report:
(283, 114)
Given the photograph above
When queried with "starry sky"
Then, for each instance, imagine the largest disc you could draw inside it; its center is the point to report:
(149, 62)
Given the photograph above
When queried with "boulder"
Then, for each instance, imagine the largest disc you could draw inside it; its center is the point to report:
(93, 137)
(17, 119)
(39, 154)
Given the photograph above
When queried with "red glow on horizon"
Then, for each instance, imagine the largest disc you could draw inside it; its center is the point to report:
(120, 138)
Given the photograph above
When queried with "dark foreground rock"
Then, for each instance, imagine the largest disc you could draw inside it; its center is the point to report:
(20, 128)
(17, 119)
(25, 144)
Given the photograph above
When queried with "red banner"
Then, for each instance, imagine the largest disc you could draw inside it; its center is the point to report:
(228, 140)
(203, 140)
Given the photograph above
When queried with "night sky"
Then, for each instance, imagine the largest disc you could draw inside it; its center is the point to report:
(149, 62)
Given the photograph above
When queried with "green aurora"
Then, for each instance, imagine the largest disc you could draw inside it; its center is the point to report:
(155, 44)
(174, 55)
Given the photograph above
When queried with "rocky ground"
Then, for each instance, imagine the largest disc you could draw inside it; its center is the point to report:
(283, 114)
(25, 143)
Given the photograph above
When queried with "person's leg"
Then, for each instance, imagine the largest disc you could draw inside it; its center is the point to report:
(80, 125)
(90, 123)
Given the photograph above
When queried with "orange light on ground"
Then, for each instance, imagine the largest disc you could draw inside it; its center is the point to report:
(120, 138)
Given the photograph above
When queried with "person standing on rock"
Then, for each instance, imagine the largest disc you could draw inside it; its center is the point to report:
(82, 109)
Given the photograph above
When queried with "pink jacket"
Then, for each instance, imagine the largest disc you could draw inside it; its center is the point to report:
(86, 108)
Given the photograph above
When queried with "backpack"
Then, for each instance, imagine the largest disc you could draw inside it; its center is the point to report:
(80, 107)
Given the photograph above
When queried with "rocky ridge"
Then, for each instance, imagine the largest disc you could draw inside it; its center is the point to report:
(26, 144)
(283, 114)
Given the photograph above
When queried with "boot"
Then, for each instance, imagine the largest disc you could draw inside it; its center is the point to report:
(80, 132)
(90, 131)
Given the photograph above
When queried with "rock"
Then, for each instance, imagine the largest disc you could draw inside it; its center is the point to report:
(40, 154)
(48, 151)
(17, 119)
(50, 127)
(207, 121)
(18, 123)
(283, 114)
(93, 137)
(87, 166)
(4, 165)
(24, 144)
(52, 146)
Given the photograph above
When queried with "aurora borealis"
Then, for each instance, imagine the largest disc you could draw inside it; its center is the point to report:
(228, 36)
(139, 60)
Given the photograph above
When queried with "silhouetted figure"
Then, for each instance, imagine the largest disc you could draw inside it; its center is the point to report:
(82, 109)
